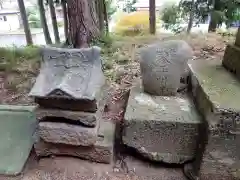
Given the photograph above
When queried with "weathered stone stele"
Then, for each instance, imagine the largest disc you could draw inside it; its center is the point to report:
(69, 79)
(17, 127)
(161, 128)
(162, 66)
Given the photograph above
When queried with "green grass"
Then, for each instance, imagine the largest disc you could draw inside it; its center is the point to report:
(12, 58)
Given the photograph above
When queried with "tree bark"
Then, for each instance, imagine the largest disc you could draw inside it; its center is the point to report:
(44, 22)
(152, 16)
(213, 21)
(54, 21)
(105, 16)
(64, 8)
(101, 15)
(25, 22)
(191, 17)
(83, 27)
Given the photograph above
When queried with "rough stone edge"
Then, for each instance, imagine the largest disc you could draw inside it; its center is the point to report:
(85, 136)
(73, 117)
(230, 61)
(209, 110)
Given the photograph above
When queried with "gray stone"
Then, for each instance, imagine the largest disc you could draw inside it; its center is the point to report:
(216, 94)
(162, 65)
(237, 42)
(64, 133)
(73, 117)
(17, 126)
(101, 151)
(69, 76)
(231, 59)
(161, 128)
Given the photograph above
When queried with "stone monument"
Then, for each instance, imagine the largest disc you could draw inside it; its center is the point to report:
(216, 92)
(71, 93)
(162, 65)
(160, 123)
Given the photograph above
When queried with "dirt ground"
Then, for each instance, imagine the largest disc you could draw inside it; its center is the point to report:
(66, 168)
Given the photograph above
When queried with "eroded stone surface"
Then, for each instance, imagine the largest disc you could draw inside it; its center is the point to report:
(162, 65)
(215, 91)
(100, 151)
(69, 76)
(64, 133)
(231, 59)
(161, 128)
(73, 117)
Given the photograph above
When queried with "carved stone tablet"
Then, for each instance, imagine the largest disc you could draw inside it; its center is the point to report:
(69, 75)
(162, 66)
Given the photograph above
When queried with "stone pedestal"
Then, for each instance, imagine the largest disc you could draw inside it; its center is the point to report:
(161, 128)
(71, 94)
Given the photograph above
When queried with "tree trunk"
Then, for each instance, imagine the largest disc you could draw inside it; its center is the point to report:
(83, 27)
(64, 8)
(101, 15)
(54, 21)
(25, 22)
(213, 21)
(152, 16)
(106, 16)
(191, 17)
(44, 22)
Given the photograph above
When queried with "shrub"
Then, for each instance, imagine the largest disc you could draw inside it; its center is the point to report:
(132, 24)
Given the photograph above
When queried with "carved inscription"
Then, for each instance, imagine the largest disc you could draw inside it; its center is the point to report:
(162, 65)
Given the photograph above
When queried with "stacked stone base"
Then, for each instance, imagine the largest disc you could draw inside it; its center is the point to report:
(161, 128)
(61, 138)
(101, 151)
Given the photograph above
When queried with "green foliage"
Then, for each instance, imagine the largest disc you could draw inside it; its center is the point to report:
(221, 10)
(111, 8)
(129, 6)
(12, 57)
(171, 16)
(33, 17)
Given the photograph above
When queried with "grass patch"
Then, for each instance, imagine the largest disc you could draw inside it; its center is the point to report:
(13, 58)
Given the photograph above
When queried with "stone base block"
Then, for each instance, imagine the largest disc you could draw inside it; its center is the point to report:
(161, 128)
(231, 60)
(72, 117)
(101, 151)
(55, 132)
(215, 91)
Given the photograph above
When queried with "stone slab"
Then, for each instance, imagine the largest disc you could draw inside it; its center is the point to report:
(162, 66)
(69, 76)
(72, 117)
(231, 59)
(216, 93)
(17, 126)
(63, 133)
(101, 151)
(161, 128)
